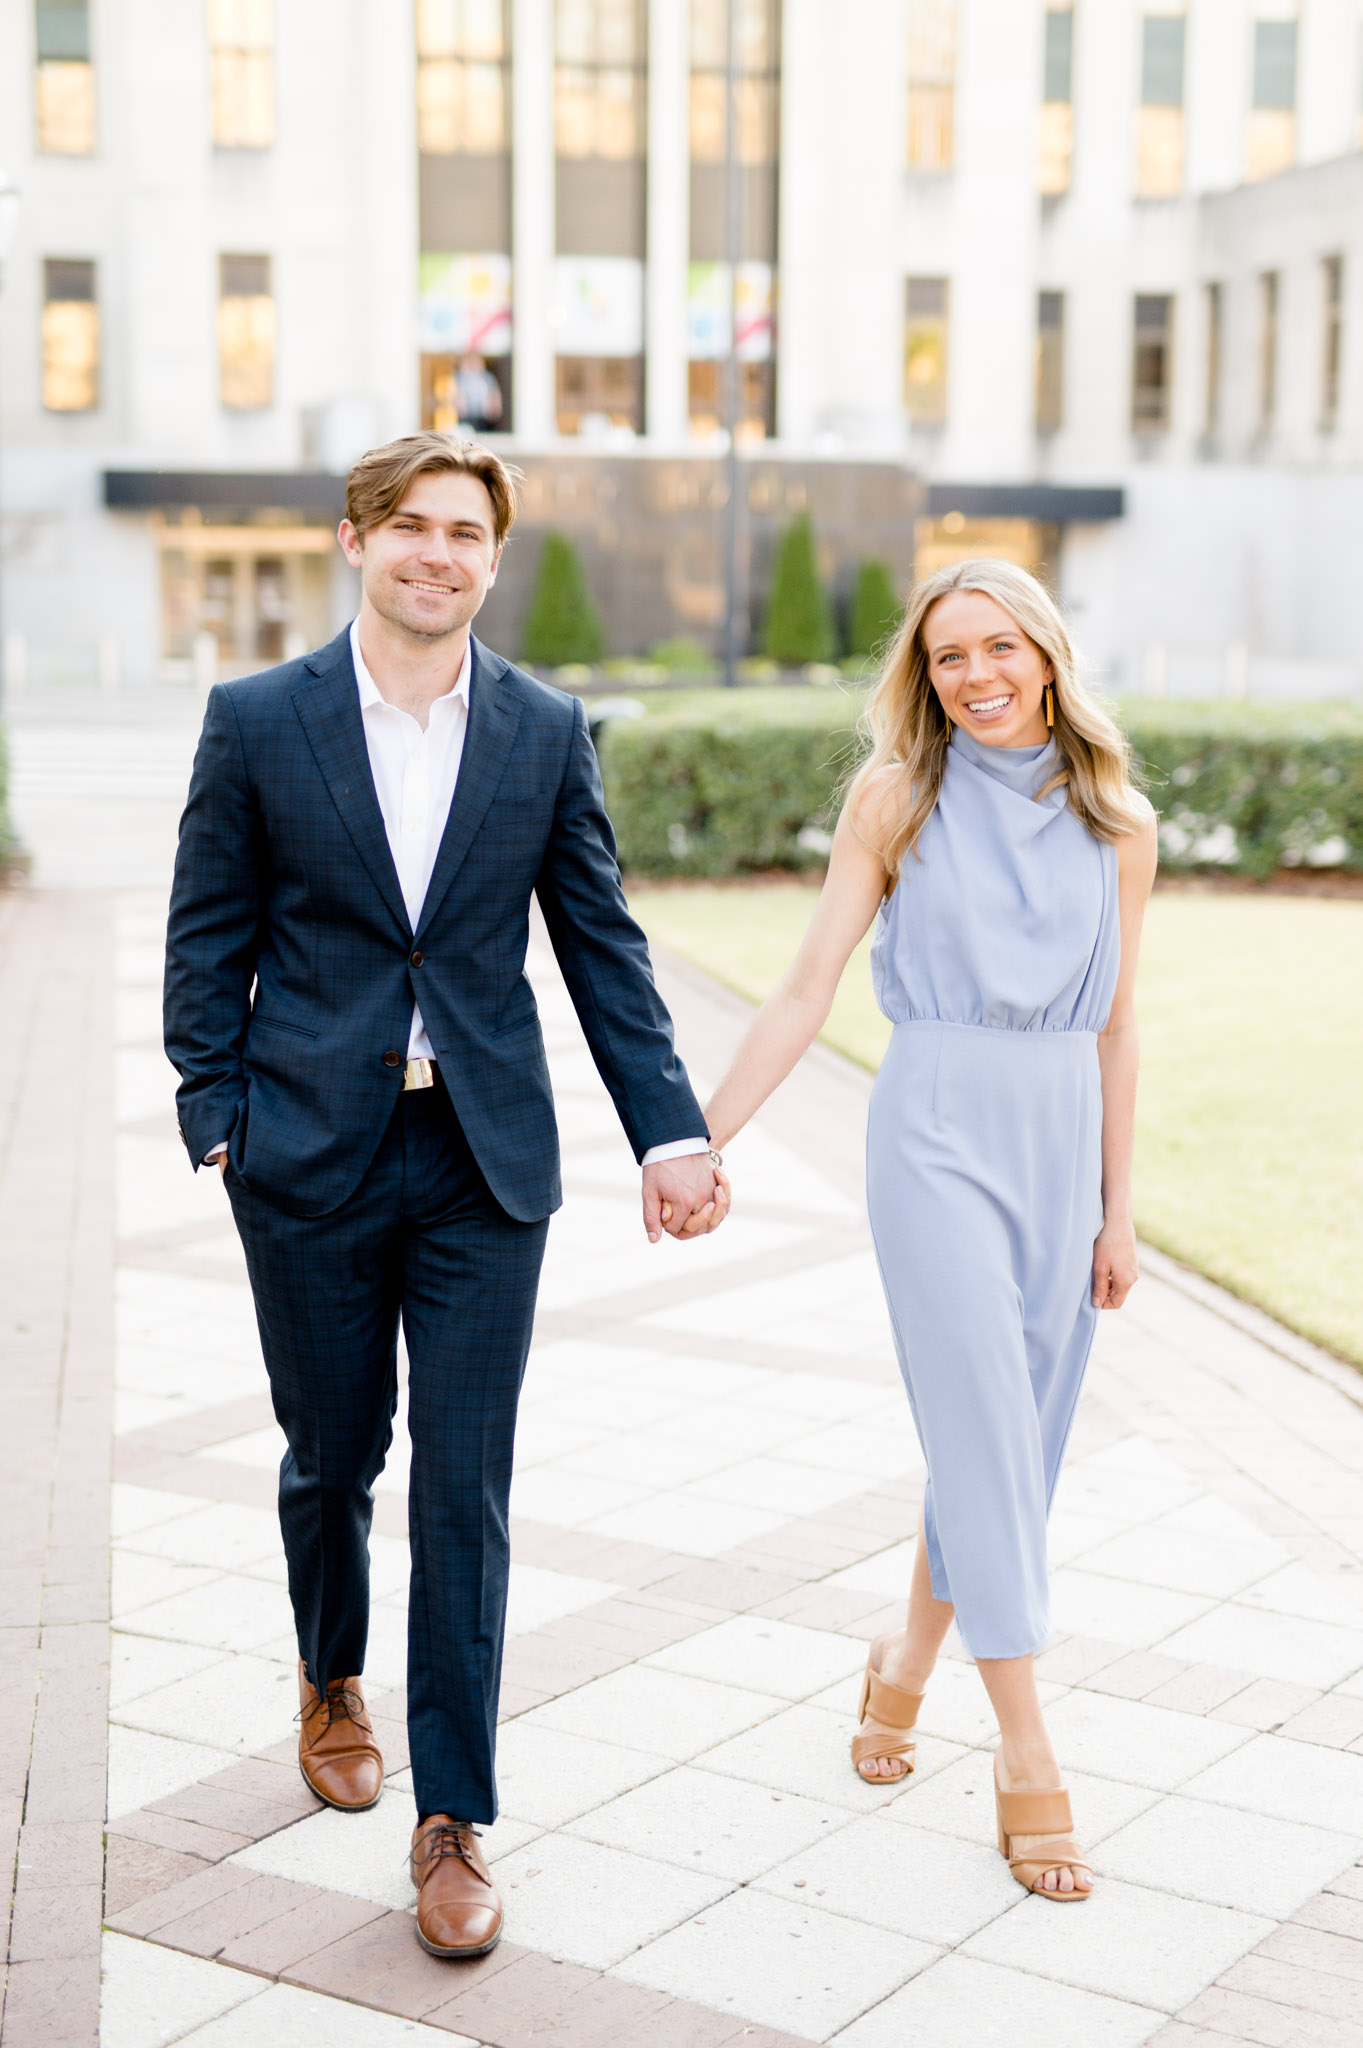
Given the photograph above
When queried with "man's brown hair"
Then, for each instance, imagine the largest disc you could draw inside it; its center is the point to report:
(378, 483)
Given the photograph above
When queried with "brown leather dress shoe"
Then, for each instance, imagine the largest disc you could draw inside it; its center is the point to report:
(337, 1753)
(458, 1907)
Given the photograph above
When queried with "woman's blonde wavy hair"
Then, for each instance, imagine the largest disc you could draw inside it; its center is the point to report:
(907, 728)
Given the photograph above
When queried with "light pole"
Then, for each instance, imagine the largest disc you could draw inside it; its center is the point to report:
(9, 220)
(732, 206)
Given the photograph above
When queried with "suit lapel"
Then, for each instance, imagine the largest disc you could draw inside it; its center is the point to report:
(494, 714)
(328, 707)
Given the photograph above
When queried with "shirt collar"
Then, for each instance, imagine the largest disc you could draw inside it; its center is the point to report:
(371, 694)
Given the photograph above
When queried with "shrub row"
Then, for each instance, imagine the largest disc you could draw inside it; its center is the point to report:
(729, 783)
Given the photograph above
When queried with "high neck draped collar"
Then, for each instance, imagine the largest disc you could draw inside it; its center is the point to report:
(1022, 769)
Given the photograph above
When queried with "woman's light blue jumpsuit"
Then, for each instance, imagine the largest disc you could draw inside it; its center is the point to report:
(996, 960)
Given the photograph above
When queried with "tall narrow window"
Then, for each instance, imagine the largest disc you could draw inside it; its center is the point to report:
(599, 136)
(246, 332)
(242, 34)
(717, 304)
(1268, 349)
(464, 173)
(1332, 337)
(1273, 121)
(932, 84)
(65, 82)
(1159, 122)
(1050, 362)
(1057, 108)
(70, 335)
(1211, 418)
(1152, 362)
(926, 337)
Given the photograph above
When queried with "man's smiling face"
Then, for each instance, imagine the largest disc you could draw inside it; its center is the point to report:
(428, 566)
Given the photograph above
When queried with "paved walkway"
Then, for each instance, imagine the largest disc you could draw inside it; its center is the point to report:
(716, 1477)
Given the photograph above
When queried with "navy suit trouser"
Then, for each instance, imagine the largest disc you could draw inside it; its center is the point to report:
(422, 1241)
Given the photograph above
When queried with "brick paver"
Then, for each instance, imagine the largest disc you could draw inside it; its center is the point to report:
(715, 1490)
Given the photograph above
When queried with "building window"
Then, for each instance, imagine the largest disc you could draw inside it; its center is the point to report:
(1159, 121)
(932, 84)
(1332, 352)
(1268, 349)
(65, 82)
(925, 350)
(70, 335)
(1050, 362)
(598, 292)
(1057, 108)
(246, 332)
(1272, 120)
(461, 77)
(1152, 362)
(720, 306)
(1215, 347)
(464, 205)
(242, 33)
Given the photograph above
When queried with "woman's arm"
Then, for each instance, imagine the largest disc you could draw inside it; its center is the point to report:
(792, 1016)
(1115, 1269)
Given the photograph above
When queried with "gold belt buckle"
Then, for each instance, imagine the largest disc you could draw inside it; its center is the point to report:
(417, 1074)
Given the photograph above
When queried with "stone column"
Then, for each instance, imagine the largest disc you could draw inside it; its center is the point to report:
(532, 212)
(669, 221)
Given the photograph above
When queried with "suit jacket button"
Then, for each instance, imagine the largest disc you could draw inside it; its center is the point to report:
(392, 1059)
(417, 959)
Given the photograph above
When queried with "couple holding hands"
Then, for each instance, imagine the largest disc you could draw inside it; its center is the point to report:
(360, 1058)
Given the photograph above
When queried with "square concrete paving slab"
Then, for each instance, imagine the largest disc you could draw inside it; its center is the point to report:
(1085, 1603)
(143, 1664)
(1299, 1781)
(1160, 1554)
(138, 1581)
(1141, 1946)
(661, 1712)
(1226, 1857)
(585, 1903)
(1281, 1646)
(142, 1507)
(547, 1776)
(764, 1656)
(1298, 1590)
(805, 1750)
(228, 1613)
(150, 1997)
(536, 1596)
(686, 1521)
(904, 1878)
(286, 2017)
(786, 1966)
(221, 1536)
(722, 1827)
(1141, 1745)
(240, 1704)
(145, 1767)
(963, 2003)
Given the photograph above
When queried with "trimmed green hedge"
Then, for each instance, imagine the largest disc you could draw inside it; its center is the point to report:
(8, 842)
(730, 782)
(1249, 788)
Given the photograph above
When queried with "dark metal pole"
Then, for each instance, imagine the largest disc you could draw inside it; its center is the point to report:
(735, 640)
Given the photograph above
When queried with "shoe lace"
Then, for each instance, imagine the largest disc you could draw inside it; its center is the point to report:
(341, 1703)
(448, 1838)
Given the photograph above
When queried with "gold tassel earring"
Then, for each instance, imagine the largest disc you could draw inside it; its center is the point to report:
(1050, 705)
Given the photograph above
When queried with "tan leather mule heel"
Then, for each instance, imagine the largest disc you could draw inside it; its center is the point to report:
(894, 1709)
(1040, 1813)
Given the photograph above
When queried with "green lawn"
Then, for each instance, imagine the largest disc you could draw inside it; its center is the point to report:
(1249, 1156)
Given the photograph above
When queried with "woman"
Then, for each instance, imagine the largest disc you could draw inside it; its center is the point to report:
(995, 829)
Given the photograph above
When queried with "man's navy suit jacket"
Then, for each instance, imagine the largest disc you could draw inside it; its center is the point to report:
(292, 966)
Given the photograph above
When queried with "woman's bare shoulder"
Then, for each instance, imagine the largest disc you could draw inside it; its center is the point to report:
(877, 804)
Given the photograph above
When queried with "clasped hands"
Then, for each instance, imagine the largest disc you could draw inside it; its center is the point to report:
(686, 1197)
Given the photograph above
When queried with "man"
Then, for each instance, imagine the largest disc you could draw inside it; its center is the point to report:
(360, 1056)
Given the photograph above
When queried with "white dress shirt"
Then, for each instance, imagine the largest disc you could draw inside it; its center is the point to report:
(415, 773)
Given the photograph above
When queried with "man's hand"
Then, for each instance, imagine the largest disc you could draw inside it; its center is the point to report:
(687, 1197)
(221, 1163)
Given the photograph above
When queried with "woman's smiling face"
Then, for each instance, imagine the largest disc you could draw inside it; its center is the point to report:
(989, 677)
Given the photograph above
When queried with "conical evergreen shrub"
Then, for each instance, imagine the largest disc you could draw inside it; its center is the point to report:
(799, 622)
(876, 609)
(562, 624)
